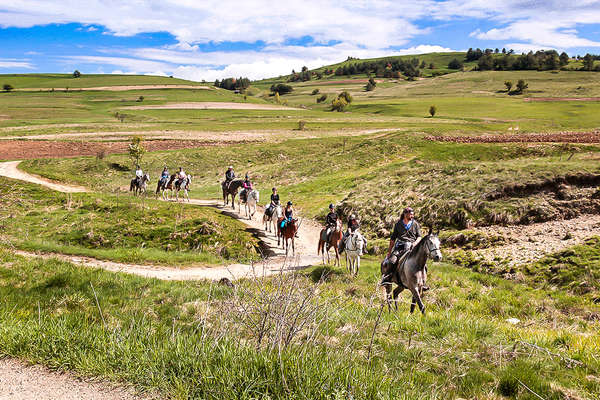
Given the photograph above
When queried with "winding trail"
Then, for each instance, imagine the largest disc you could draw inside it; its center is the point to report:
(275, 262)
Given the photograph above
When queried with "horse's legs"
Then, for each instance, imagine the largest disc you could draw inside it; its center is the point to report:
(397, 291)
(357, 265)
(388, 290)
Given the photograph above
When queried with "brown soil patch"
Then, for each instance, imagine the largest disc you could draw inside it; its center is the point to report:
(29, 149)
(118, 88)
(561, 99)
(561, 137)
(211, 105)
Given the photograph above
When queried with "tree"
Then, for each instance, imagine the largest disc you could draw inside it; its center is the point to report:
(521, 85)
(455, 64)
(7, 87)
(508, 85)
(136, 150)
(432, 111)
(423, 64)
(588, 62)
(372, 81)
(277, 99)
(321, 98)
(281, 88)
(346, 96)
(564, 59)
(370, 87)
(486, 63)
(339, 104)
(431, 66)
(76, 74)
(316, 91)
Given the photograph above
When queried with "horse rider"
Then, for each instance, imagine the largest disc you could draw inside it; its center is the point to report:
(330, 222)
(288, 214)
(274, 202)
(247, 185)
(353, 226)
(164, 176)
(138, 174)
(405, 234)
(229, 176)
(181, 176)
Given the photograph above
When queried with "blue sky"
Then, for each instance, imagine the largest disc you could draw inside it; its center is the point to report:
(212, 39)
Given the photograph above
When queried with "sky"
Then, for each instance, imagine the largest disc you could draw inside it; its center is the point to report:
(209, 39)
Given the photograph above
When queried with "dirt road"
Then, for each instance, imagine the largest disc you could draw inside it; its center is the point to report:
(276, 262)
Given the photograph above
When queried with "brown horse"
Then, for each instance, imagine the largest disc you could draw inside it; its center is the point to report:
(334, 240)
(288, 232)
(231, 189)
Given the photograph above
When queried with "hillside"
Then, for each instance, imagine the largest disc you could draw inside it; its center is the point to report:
(19, 81)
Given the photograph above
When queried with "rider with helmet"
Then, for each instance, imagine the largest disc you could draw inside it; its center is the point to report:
(330, 222)
(405, 234)
(288, 214)
(138, 174)
(353, 226)
(229, 176)
(274, 202)
(247, 185)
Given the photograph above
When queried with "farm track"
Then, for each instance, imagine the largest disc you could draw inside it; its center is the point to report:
(275, 262)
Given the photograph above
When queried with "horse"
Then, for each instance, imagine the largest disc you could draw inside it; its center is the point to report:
(286, 233)
(269, 220)
(163, 185)
(250, 203)
(231, 190)
(139, 186)
(183, 184)
(411, 271)
(354, 247)
(334, 241)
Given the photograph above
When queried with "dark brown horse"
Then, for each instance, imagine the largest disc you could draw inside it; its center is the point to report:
(287, 233)
(334, 241)
(231, 190)
(163, 186)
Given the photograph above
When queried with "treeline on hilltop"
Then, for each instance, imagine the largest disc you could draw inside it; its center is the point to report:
(491, 60)
(240, 84)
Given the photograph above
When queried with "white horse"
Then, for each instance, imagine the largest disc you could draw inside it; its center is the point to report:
(251, 203)
(354, 246)
(272, 220)
(185, 186)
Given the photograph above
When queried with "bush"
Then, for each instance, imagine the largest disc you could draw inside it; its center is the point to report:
(301, 125)
(455, 64)
(432, 111)
(369, 87)
(346, 96)
(76, 74)
(521, 85)
(372, 81)
(508, 85)
(321, 98)
(281, 88)
(140, 99)
(316, 91)
(339, 104)
(136, 150)
(7, 87)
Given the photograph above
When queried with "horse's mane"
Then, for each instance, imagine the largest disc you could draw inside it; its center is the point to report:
(416, 249)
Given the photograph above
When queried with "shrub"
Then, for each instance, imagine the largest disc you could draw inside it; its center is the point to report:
(76, 74)
(432, 111)
(301, 125)
(281, 88)
(321, 98)
(372, 81)
(455, 64)
(339, 104)
(508, 85)
(316, 91)
(277, 98)
(369, 87)
(136, 150)
(7, 87)
(521, 85)
(140, 99)
(346, 96)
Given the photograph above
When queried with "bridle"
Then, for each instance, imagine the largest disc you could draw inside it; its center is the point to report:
(430, 250)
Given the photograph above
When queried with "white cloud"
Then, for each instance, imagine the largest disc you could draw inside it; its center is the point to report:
(15, 63)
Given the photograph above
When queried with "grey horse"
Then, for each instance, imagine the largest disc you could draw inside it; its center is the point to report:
(231, 190)
(411, 271)
(139, 186)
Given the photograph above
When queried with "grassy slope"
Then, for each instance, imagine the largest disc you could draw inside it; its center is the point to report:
(87, 80)
(376, 177)
(173, 338)
(120, 228)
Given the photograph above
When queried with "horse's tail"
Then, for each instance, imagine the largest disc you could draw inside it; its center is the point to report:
(319, 246)
(131, 185)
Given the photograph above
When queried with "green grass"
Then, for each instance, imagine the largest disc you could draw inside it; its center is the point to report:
(120, 228)
(173, 338)
(87, 80)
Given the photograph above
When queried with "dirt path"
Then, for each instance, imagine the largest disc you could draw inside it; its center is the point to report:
(22, 382)
(529, 243)
(211, 105)
(276, 261)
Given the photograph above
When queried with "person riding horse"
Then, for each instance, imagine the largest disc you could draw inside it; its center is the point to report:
(247, 185)
(274, 202)
(353, 226)
(229, 176)
(288, 214)
(164, 176)
(138, 175)
(330, 222)
(181, 177)
(405, 234)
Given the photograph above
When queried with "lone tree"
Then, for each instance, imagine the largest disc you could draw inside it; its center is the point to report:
(7, 87)
(508, 85)
(432, 111)
(136, 150)
(588, 62)
(455, 64)
(369, 87)
(339, 104)
(521, 85)
(76, 74)
(346, 96)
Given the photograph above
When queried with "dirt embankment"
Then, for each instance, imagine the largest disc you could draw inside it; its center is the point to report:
(29, 149)
(561, 137)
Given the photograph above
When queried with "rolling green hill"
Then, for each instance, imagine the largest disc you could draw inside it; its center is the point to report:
(19, 81)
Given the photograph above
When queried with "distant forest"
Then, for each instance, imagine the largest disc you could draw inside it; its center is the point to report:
(490, 60)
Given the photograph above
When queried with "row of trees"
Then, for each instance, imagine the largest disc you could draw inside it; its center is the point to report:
(488, 60)
(233, 83)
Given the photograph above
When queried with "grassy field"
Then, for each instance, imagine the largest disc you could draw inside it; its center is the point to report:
(193, 340)
(19, 81)
(120, 228)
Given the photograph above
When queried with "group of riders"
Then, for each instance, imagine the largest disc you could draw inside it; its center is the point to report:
(164, 176)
